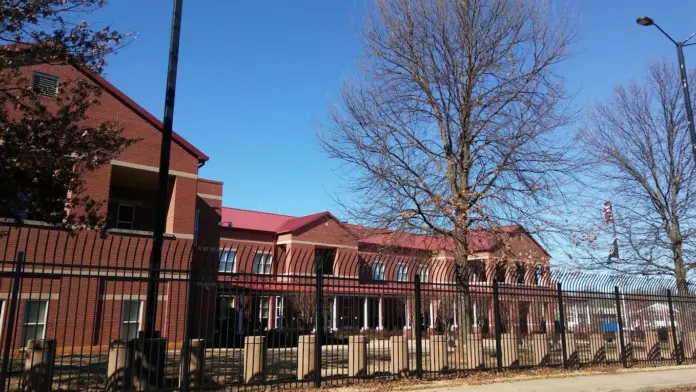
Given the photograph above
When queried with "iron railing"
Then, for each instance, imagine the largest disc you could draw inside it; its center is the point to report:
(256, 314)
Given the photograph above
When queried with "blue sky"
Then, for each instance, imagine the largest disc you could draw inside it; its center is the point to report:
(255, 79)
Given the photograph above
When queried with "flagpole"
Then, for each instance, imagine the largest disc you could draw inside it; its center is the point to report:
(618, 260)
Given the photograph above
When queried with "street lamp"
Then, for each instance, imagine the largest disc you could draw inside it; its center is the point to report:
(647, 21)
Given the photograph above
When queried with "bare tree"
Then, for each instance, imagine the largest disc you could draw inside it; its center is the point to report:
(446, 312)
(642, 160)
(452, 122)
(305, 305)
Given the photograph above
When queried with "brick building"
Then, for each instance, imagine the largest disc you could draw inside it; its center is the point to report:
(249, 269)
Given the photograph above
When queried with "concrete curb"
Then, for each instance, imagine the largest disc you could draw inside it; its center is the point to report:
(657, 387)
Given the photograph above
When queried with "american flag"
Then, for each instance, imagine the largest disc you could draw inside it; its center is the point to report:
(608, 214)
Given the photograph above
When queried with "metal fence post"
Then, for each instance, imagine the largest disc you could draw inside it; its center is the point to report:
(678, 350)
(498, 326)
(419, 328)
(561, 326)
(318, 325)
(622, 341)
(16, 282)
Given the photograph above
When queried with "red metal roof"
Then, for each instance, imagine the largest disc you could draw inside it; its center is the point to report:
(253, 220)
(121, 96)
(298, 223)
(237, 218)
(479, 240)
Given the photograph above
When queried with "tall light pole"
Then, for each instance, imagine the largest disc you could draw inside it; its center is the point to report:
(646, 21)
(163, 178)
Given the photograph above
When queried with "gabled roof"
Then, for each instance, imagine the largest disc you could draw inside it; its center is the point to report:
(273, 223)
(237, 218)
(131, 104)
(479, 240)
(298, 223)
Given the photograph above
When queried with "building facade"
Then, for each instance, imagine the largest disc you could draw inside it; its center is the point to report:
(239, 272)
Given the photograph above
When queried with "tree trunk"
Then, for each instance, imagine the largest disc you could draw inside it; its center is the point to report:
(461, 273)
(679, 268)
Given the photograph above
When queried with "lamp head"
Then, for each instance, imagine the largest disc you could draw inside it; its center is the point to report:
(645, 21)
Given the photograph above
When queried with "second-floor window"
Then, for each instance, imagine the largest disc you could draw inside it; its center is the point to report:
(401, 273)
(501, 273)
(477, 271)
(324, 261)
(262, 263)
(424, 274)
(227, 260)
(520, 273)
(125, 216)
(377, 270)
(538, 275)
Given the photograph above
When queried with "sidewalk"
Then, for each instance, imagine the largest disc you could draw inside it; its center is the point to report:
(641, 380)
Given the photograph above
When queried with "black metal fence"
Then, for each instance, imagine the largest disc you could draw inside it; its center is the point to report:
(258, 314)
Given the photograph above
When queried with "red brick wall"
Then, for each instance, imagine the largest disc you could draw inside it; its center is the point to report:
(146, 150)
(326, 231)
(77, 271)
(209, 187)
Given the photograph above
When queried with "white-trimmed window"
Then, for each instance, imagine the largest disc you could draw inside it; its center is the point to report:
(401, 273)
(378, 270)
(279, 316)
(660, 320)
(46, 85)
(228, 258)
(262, 263)
(424, 272)
(125, 216)
(131, 313)
(264, 311)
(34, 326)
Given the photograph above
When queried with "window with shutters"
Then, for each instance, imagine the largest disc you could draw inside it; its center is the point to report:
(45, 85)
